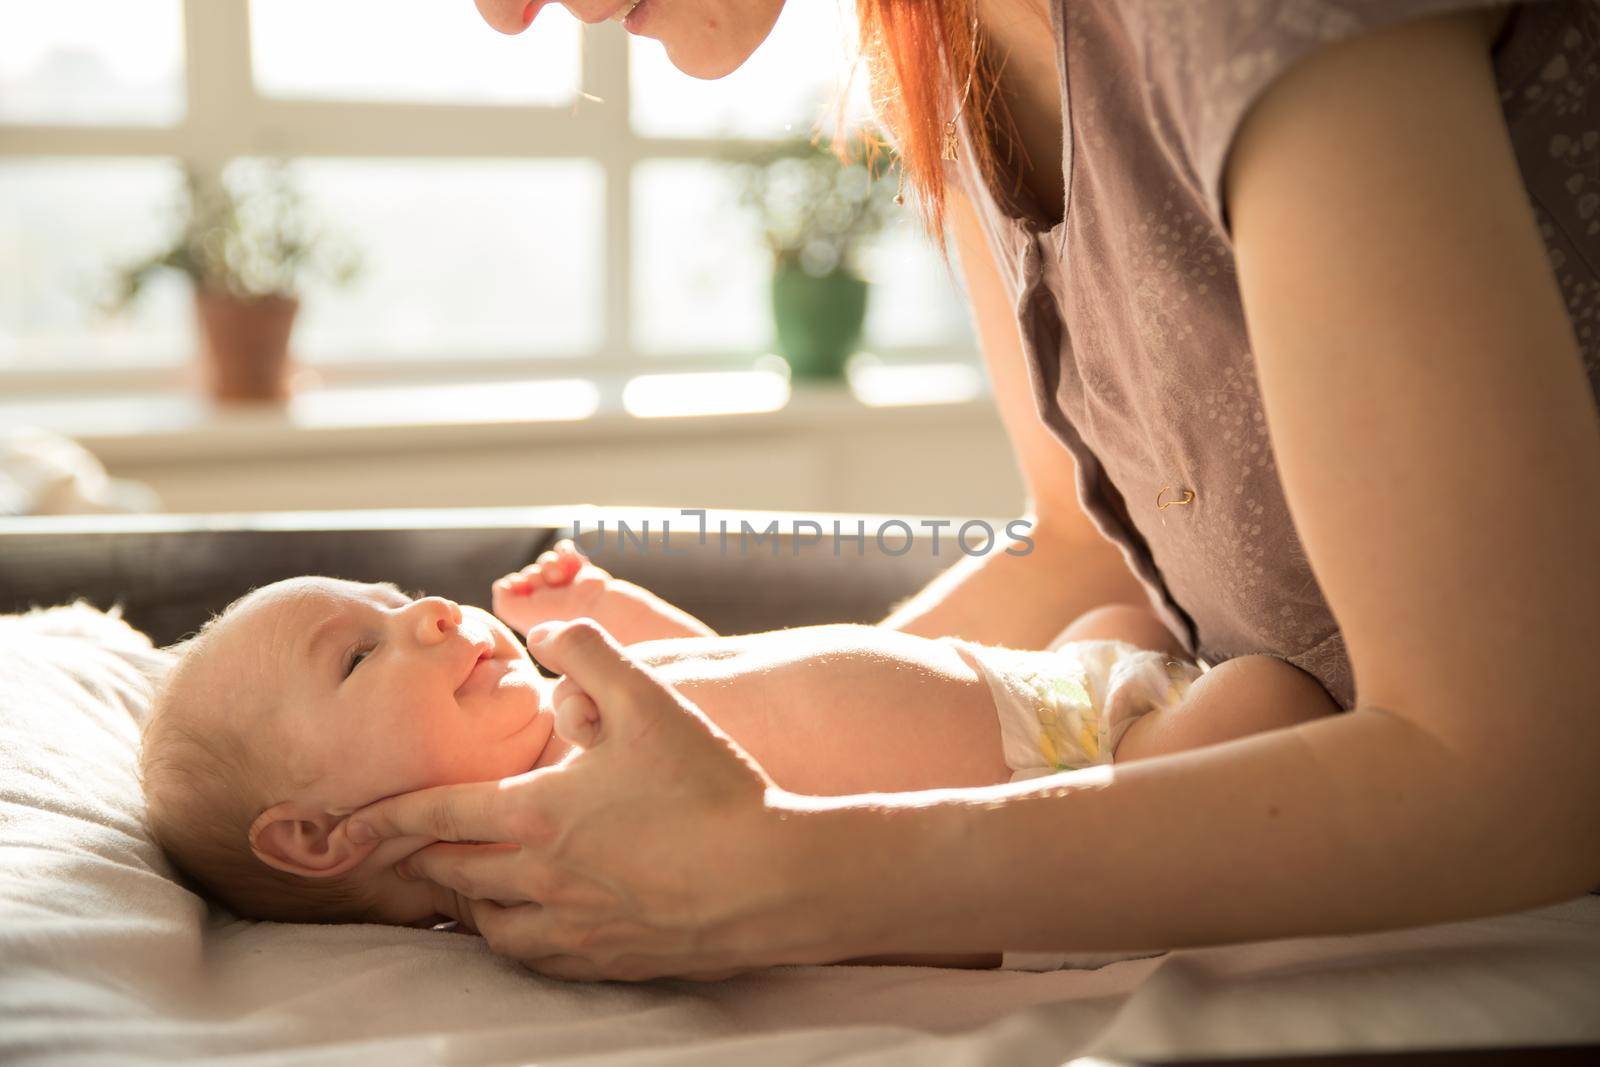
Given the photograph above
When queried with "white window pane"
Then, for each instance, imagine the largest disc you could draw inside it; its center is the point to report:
(65, 227)
(702, 275)
(915, 300)
(700, 271)
(414, 50)
(111, 62)
(463, 257)
(790, 82)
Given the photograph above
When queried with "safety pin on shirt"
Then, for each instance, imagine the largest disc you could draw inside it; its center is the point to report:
(1188, 498)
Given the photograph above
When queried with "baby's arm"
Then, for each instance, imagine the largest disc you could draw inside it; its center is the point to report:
(563, 584)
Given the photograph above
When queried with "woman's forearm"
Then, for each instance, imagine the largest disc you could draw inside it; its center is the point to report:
(1020, 601)
(1352, 823)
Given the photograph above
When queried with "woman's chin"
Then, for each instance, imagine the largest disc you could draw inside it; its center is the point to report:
(703, 66)
(718, 54)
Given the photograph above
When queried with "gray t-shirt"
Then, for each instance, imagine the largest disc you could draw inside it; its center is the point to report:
(1129, 309)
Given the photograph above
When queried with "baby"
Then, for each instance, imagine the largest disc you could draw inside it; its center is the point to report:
(312, 697)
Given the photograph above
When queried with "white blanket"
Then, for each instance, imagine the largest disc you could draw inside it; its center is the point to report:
(104, 958)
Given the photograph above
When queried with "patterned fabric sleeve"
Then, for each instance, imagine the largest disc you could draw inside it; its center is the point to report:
(1207, 61)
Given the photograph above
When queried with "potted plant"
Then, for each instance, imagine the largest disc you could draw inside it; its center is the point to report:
(815, 211)
(249, 246)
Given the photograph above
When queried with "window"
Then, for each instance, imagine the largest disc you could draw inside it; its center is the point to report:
(92, 62)
(60, 222)
(480, 257)
(564, 195)
(413, 52)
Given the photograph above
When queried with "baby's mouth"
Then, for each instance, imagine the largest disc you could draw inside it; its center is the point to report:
(484, 651)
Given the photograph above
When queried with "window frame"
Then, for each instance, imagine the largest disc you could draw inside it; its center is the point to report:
(226, 118)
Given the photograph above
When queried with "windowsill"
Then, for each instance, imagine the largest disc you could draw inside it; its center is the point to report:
(167, 426)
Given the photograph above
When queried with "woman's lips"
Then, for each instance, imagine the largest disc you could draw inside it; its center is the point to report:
(634, 20)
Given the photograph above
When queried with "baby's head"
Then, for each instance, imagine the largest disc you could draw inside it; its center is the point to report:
(308, 699)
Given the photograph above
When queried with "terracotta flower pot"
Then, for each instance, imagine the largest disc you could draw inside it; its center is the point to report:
(244, 346)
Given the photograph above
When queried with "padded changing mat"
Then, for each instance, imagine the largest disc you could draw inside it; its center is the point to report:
(105, 958)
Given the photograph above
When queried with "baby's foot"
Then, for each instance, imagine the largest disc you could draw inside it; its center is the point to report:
(564, 584)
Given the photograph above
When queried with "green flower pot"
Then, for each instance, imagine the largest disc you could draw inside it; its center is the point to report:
(818, 319)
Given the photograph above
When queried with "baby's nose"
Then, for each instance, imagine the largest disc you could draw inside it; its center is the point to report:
(438, 618)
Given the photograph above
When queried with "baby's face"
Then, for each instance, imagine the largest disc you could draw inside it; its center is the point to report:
(372, 693)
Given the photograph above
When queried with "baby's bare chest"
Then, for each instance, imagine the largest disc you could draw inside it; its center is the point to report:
(848, 709)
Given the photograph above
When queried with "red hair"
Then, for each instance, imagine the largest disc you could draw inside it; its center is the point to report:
(919, 55)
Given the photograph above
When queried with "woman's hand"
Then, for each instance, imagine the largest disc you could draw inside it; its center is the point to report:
(653, 852)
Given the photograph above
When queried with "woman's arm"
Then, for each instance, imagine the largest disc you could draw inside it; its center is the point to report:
(1020, 601)
(1440, 451)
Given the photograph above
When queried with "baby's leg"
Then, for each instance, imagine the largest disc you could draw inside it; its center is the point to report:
(563, 584)
(1242, 696)
(1124, 622)
(1236, 698)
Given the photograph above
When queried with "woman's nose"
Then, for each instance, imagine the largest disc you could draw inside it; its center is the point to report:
(436, 618)
(509, 16)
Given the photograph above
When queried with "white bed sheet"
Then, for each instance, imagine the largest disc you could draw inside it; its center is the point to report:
(105, 959)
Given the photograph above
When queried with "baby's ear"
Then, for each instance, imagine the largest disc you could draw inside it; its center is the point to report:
(303, 841)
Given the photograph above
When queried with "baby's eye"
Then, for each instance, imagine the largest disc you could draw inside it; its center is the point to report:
(357, 654)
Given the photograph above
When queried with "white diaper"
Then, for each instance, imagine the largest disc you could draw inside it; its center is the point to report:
(1069, 707)
(1066, 709)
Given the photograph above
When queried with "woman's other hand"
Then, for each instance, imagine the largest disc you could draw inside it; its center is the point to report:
(654, 852)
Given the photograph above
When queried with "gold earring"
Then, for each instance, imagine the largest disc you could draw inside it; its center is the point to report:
(947, 150)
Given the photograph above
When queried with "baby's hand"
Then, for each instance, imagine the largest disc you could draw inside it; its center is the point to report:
(561, 584)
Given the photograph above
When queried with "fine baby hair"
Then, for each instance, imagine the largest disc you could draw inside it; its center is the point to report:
(205, 783)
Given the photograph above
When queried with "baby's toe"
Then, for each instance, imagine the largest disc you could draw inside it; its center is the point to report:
(570, 555)
(523, 581)
(555, 571)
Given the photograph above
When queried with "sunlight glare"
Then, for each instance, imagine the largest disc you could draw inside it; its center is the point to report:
(880, 385)
(654, 396)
